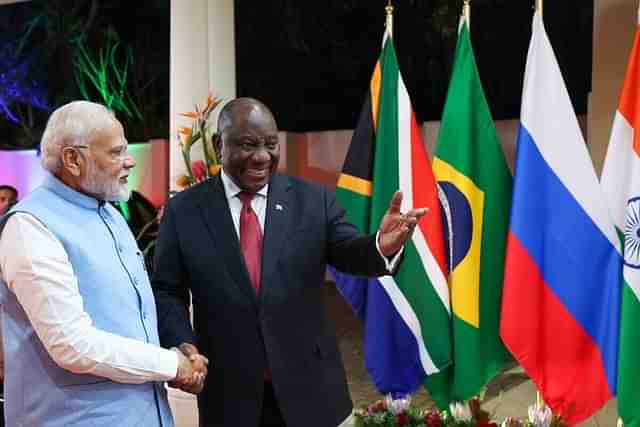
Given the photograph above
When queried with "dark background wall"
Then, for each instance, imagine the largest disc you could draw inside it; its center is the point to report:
(311, 61)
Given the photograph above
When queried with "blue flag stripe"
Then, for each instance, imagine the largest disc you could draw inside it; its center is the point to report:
(581, 270)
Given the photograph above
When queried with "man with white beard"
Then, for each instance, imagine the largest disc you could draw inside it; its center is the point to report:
(78, 315)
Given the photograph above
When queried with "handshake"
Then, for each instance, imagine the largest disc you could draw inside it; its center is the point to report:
(192, 369)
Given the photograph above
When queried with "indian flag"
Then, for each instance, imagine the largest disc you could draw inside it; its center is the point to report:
(621, 184)
(406, 316)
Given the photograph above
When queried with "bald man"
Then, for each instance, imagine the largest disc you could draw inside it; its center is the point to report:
(251, 246)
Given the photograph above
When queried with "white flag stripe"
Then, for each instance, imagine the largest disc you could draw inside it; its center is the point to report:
(406, 312)
(616, 180)
(405, 179)
(632, 277)
(438, 281)
(560, 140)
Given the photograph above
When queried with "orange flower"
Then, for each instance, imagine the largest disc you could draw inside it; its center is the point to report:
(191, 114)
(213, 170)
(182, 130)
(184, 137)
(182, 181)
(212, 101)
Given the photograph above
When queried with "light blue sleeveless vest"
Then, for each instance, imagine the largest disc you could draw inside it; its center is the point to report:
(118, 297)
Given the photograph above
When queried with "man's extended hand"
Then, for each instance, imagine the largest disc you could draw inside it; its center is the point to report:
(396, 228)
(199, 364)
(192, 369)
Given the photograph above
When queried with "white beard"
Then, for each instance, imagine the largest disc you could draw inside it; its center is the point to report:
(97, 182)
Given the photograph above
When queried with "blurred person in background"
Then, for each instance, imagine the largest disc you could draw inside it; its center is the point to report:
(8, 198)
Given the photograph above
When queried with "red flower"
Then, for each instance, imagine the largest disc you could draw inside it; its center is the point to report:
(379, 406)
(485, 423)
(402, 419)
(199, 170)
(433, 419)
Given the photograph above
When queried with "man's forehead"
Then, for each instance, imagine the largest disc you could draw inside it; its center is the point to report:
(111, 136)
(254, 132)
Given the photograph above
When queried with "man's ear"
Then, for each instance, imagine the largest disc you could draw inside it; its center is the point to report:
(220, 146)
(71, 161)
(217, 145)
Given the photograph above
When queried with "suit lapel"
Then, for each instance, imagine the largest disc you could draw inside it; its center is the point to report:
(217, 216)
(277, 220)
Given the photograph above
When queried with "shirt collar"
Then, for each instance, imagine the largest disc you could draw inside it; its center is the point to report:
(232, 190)
(63, 190)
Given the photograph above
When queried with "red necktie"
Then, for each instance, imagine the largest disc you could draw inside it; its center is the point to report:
(250, 239)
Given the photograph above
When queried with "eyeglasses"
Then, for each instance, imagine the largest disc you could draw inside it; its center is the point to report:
(118, 155)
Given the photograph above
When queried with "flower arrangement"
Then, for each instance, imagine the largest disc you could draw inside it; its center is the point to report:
(399, 413)
(199, 170)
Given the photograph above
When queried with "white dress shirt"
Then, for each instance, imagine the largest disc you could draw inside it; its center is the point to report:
(37, 270)
(259, 205)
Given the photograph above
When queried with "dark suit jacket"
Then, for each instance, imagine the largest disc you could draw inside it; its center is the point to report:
(285, 328)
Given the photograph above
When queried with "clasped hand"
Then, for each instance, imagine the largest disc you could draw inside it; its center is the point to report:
(192, 369)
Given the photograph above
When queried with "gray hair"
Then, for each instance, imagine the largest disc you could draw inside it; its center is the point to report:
(235, 106)
(72, 124)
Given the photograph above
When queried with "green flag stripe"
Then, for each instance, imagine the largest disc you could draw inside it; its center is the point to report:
(628, 366)
(385, 166)
(412, 280)
(357, 207)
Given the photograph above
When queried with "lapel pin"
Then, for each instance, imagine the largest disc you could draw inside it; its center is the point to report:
(279, 207)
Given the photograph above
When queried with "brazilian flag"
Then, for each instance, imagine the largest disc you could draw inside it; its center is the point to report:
(471, 170)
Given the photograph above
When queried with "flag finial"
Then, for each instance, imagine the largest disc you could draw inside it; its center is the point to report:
(539, 7)
(466, 12)
(389, 10)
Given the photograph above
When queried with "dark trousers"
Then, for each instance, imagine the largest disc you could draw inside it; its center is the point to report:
(271, 415)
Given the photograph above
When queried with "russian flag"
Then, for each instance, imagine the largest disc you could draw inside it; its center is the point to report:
(561, 297)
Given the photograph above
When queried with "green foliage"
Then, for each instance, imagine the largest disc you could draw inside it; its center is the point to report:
(107, 73)
(114, 60)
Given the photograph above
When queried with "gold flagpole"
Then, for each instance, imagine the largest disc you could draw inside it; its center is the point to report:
(466, 11)
(539, 401)
(389, 24)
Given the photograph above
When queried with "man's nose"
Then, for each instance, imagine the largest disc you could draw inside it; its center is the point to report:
(261, 154)
(129, 162)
